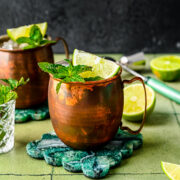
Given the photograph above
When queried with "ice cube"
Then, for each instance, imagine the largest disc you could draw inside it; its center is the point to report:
(10, 45)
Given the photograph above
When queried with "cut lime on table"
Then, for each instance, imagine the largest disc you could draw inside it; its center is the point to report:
(171, 170)
(166, 68)
(134, 102)
(23, 31)
(100, 67)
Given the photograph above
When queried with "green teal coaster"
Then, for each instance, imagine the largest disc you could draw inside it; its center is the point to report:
(93, 164)
(38, 113)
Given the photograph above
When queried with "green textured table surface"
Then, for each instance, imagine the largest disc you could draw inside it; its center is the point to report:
(161, 142)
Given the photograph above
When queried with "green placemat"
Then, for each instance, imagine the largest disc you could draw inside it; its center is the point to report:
(93, 164)
(40, 112)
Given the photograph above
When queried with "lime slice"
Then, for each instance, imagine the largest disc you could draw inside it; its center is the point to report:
(23, 31)
(101, 67)
(171, 170)
(166, 68)
(134, 102)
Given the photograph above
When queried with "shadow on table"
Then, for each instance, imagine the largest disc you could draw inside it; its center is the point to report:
(155, 119)
(158, 119)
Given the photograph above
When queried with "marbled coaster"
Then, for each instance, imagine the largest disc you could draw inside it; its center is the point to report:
(38, 113)
(94, 164)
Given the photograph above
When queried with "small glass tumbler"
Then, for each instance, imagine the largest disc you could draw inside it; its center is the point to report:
(7, 116)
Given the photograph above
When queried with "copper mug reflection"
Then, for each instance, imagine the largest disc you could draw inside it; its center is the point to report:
(88, 115)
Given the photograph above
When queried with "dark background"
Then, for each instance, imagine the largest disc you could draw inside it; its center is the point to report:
(110, 26)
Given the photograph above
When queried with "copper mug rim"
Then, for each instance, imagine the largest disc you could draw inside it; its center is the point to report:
(92, 82)
(6, 37)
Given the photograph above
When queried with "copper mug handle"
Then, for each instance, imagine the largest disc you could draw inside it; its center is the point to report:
(66, 49)
(144, 116)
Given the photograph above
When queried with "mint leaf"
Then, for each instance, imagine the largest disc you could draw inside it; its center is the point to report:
(10, 96)
(61, 75)
(30, 47)
(69, 61)
(67, 80)
(27, 40)
(81, 68)
(5, 94)
(11, 82)
(51, 68)
(74, 78)
(35, 39)
(45, 41)
(22, 81)
(14, 84)
(35, 34)
(8, 93)
(4, 90)
(66, 74)
(48, 67)
(58, 86)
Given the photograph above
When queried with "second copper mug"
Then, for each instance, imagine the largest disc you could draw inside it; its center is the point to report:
(88, 115)
(19, 63)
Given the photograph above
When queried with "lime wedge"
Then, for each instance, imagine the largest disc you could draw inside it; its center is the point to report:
(134, 102)
(100, 67)
(171, 170)
(166, 68)
(23, 31)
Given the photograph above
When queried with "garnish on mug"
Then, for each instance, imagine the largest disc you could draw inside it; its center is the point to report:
(35, 39)
(8, 92)
(67, 74)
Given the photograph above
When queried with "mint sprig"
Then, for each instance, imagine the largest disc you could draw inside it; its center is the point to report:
(8, 92)
(35, 39)
(66, 73)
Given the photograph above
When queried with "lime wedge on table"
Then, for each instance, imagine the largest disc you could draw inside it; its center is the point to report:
(101, 67)
(23, 31)
(166, 68)
(171, 170)
(134, 102)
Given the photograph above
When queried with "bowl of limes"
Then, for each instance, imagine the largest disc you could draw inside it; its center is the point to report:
(166, 68)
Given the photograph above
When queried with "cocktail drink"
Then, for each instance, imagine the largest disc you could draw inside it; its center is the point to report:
(20, 51)
(86, 100)
(7, 112)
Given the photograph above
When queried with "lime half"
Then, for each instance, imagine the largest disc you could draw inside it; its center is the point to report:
(171, 170)
(166, 68)
(100, 67)
(134, 102)
(23, 31)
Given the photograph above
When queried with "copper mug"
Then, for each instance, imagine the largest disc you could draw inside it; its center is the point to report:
(88, 115)
(19, 63)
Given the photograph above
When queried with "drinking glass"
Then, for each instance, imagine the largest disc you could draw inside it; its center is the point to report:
(7, 116)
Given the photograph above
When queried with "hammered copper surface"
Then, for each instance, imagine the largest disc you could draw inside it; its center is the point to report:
(86, 115)
(23, 63)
